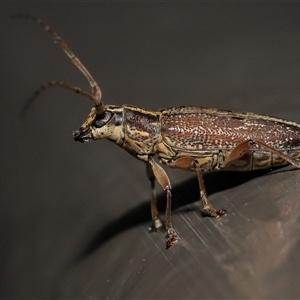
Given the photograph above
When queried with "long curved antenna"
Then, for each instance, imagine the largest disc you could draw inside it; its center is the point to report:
(96, 92)
(46, 85)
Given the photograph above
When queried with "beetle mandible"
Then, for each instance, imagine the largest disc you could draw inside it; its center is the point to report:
(188, 138)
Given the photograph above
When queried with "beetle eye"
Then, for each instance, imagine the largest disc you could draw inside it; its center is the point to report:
(102, 119)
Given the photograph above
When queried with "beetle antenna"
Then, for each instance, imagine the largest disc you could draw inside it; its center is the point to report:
(46, 85)
(96, 92)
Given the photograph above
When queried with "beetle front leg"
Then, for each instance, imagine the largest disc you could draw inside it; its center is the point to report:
(188, 163)
(163, 180)
(154, 212)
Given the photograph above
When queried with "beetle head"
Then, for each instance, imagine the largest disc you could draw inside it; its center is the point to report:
(100, 126)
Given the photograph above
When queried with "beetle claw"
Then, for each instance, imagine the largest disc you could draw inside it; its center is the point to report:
(156, 225)
(152, 228)
(216, 213)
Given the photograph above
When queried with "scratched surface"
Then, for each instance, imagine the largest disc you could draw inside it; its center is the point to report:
(74, 218)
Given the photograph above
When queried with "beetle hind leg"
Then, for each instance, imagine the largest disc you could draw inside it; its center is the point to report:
(247, 146)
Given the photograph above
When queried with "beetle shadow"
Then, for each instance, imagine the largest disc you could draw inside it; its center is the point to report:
(183, 194)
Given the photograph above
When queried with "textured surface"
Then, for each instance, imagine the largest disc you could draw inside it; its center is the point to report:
(212, 130)
(74, 218)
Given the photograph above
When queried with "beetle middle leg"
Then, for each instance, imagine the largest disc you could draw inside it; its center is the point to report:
(157, 172)
(188, 163)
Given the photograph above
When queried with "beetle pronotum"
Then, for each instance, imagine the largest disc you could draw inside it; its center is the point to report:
(188, 138)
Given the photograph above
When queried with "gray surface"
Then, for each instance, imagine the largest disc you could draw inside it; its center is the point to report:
(74, 217)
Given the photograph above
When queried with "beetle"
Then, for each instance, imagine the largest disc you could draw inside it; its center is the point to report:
(189, 138)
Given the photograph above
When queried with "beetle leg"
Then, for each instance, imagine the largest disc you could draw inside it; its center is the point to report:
(245, 146)
(154, 212)
(289, 159)
(207, 207)
(236, 153)
(189, 163)
(163, 180)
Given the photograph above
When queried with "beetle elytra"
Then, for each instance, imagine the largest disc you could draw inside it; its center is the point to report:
(188, 138)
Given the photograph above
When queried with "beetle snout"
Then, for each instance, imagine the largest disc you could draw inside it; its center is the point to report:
(82, 135)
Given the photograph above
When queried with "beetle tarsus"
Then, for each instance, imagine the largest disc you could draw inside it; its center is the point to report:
(155, 226)
(172, 238)
(216, 213)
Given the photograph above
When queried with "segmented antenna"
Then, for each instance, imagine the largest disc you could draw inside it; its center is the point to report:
(46, 85)
(96, 92)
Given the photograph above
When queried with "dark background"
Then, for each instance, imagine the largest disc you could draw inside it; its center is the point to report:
(74, 217)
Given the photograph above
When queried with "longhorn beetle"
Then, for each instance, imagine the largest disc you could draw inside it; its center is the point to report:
(185, 137)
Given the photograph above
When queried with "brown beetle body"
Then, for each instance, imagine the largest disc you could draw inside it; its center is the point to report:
(207, 135)
(188, 138)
